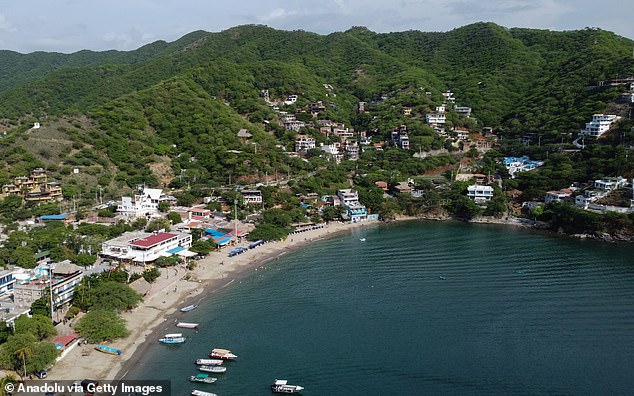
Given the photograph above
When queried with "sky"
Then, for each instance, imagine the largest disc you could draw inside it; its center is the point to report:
(72, 25)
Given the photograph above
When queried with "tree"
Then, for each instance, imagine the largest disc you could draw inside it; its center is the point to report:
(330, 213)
(201, 247)
(25, 354)
(151, 274)
(42, 306)
(268, 232)
(113, 295)
(174, 217)
(39, 326)
(102, 325)
(164, 206)
(5, 332)
(158, 224)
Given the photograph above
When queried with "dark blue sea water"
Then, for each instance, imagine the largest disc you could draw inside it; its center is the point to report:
(421, 309)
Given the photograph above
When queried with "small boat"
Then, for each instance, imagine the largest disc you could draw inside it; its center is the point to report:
(197, 392)
(224, 354)
(441, 277)
(189, 308)
(209, 362)
(175, 338)
(212, 369)
(282, 386)
(204, 378)
(362, 239)
(107, 349)
(187, 325)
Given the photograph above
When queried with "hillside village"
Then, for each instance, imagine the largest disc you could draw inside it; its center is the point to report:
(303, 161)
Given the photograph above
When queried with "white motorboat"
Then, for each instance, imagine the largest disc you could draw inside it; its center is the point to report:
(282, 386)
(209, 362)
(197, 392)
(187, 325)
(220, 353)
(213, 369)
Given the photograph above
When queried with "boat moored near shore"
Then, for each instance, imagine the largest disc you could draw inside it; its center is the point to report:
(282, 386)
(220, 353)
(212, 369)
(187, 325)
(209, 362)
(189, 308)
(175, 338)
(203, 378)
(197, 392)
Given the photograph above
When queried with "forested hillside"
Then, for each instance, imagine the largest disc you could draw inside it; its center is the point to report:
(169, 112)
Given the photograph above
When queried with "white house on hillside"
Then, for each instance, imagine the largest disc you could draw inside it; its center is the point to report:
(479, 193)
(145, 203)
(599, 125)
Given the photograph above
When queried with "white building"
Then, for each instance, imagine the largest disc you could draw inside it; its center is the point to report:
(479, 193)
(332, 150)
(144, 203)
(252, 197)
(599, 125)
(290, 100)
(349, 199)
(611, 183)
(304, 143)
(557, 196)
(143, 247)
(435, 118)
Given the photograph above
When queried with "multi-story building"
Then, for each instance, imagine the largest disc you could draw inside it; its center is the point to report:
(599, 125)
(332, 151)
(145, 203)
(557, 196)
(63, 278)
(610, 183)
(252, 197)
(143, 247)
(435, 118)
(479, 193)
(35, 187)
(304, 143)
(349, 199)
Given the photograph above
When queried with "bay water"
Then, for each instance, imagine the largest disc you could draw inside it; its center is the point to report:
(419, 308)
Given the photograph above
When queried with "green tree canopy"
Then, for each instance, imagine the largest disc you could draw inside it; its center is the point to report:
(102, 325)
(40, 326)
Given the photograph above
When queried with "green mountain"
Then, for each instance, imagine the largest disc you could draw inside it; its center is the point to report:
(171, 110)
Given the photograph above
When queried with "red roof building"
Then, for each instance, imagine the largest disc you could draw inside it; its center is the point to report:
(153, 240)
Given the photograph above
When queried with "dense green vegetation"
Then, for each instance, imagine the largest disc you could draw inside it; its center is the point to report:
(168, 114)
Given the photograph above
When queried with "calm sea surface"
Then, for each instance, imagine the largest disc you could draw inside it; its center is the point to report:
(420, 309)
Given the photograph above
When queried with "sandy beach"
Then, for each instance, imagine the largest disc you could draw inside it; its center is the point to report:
(175, 288)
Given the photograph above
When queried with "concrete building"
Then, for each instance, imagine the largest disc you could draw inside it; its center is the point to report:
(143, 247)
(355, 211)
(557, 196)
(35, 187)
(479, 193)
(304, 143)
(599, 125)
(252, 197)
(145, 203)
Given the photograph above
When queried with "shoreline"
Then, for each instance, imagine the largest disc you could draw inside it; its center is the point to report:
(159, 309)
(175, 288)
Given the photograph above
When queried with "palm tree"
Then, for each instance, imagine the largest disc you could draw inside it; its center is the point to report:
(8, 379)
(23, 353)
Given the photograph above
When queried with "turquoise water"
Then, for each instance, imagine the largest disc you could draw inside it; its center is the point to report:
(417, 309)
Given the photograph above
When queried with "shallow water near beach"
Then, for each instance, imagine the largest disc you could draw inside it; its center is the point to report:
(419, 308)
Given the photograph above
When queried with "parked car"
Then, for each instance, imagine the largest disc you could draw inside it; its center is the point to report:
(41, 374)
